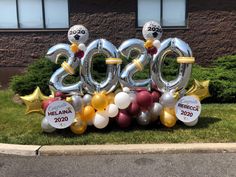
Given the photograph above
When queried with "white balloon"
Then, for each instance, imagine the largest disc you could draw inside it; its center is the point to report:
(191, 124)
(78, 34)
(152, 30)
(82, 47)
(46, 126)
(156, 43)
(126, 89)
(122, 100)
(112, 110)
(101, 120)
(132, 96)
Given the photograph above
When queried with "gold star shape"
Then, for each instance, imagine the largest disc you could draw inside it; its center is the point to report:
(33, 101)
(199, 89)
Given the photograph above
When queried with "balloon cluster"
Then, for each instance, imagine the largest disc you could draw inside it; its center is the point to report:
(88, 102)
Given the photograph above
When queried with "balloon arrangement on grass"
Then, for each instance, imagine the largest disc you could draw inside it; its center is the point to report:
(88, 102)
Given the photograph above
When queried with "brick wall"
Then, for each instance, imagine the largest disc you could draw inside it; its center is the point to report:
(211, 30)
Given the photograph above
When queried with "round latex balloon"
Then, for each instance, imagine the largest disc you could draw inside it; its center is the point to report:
(144, 118)
(78, 34)
(123, 119)
(99, 101)
(46, 127)
(132, 95)
(101, 120)
(77, 103)
(167, 118)
(155, 111)
(112, 110)
(82, 47)
(45, 103)
(87, 99)
(152, 30)
(87, 114)
(168, 100)
(78, 127)
(122, 100)
(133, 109)
(144, 100)
(155, 95)
(110, 97)
(156, 43)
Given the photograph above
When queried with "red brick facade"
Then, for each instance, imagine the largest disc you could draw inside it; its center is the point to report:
(211, 30)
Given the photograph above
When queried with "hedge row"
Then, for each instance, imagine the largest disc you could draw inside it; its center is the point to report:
(222, 76)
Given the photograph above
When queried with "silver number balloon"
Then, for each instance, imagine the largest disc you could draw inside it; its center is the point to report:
(126, 76)
(56, 80)
(104, 47)
(181, 49)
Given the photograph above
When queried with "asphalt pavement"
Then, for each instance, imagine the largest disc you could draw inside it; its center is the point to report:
(142, 165)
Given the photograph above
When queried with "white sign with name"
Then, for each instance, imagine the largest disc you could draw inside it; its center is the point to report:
(60, 114)
(188, 109)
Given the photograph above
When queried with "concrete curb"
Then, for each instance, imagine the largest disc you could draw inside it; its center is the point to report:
(136, 149)
(22, 150)
(57, 150)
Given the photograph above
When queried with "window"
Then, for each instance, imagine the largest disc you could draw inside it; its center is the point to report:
(34, 14)
(169, 13)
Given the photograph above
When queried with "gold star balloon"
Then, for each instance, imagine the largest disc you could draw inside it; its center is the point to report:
(199, 89)
(33, 101)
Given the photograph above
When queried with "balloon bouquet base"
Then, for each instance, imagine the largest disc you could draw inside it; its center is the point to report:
(89, 103)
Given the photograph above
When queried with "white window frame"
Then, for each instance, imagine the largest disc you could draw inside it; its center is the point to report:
(161, 17)
(19, 28)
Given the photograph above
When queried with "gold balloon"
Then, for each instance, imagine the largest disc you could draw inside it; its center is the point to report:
(87, 114)
(199, 89)
(78, 127)
(74, 48)
(167, 117)
(148, 44)
(33, 101)
(99, 101)
(110, 98)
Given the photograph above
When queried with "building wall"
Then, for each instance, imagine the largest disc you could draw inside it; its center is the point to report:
(211, 30)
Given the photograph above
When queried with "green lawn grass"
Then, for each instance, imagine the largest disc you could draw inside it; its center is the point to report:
(217, 124)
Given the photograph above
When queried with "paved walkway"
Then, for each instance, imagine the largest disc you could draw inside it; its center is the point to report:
(143, 165)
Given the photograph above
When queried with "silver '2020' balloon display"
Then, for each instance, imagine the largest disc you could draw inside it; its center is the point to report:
(103, 47)
(126, 76)
(57, 79)
(182, 49)
(94, 102)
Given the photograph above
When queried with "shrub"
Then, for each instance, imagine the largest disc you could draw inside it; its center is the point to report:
(222, 76)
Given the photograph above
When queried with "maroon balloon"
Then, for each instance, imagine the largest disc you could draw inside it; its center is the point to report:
(133, 109)
(152, 50)
(140, 89)
(155, 95)
(123, 119)
(60, 94)
(45, 103)
(79, 54)
(144, 100)
(154, 86)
